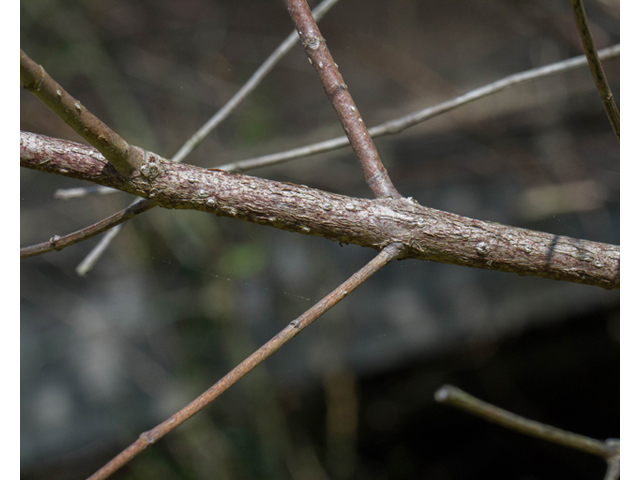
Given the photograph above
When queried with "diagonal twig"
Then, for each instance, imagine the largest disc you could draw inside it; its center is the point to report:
(124, 157)
(334, 86)
(294, 328)
(94, 255)
(402, 123)
(58, 243)
(248, 87)
(455, 397)
(595, 66)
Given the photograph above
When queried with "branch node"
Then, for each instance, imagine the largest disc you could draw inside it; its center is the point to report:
(54, 242)
(149, 437)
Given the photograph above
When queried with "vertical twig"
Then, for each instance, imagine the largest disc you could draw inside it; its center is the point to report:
(595, 66)
(150, 437)
(315, 45)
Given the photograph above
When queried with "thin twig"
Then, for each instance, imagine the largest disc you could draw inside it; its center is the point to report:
(400, 124)
(124, 157)
(96, 252)
(58, 243)
(294, 328)
(69, 193)
(94, 255)
(595, 66)
(455, 397)
(334, 86)
(248, 87)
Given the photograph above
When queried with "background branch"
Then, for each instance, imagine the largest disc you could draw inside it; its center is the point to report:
(248, 87)
(596, 67)
(402, 123)
(294, 328)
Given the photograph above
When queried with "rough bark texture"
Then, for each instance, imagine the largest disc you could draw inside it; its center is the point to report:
(426, 233)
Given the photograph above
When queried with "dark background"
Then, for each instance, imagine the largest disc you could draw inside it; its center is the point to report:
(180, 297)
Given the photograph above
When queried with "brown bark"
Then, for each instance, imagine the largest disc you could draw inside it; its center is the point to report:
(34, 78)
(334, 86)
(425, 233)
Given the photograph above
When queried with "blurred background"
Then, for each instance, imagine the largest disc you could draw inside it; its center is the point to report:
(181, 297)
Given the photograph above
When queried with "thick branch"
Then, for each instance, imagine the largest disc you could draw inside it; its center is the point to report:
(124, 157)
(387, 128)
(595, 66)
(426, 233)
(315, 45)
(256, 358)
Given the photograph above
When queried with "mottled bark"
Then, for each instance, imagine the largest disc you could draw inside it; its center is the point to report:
(425, 233)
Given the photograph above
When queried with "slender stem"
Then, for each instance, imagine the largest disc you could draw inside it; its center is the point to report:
(94, 255)
(294, 328)
(595, 66)
(400, 124)
(334, 86)
(85, 266)
(70, 193)
(248, 87)
(455, 397)
(124, 157)
(58, 243)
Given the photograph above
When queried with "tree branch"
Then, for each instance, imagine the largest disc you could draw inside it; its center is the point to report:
(124, 157)
(595, 66)
(316, 47)
(294, 328)
(58, 243)
(426, 233)
(455, 397)
(388, 128)
(400, 124)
